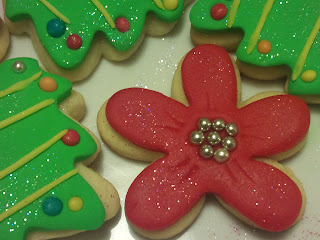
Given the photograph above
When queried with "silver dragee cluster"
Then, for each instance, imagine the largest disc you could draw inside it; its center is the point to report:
(214, 138)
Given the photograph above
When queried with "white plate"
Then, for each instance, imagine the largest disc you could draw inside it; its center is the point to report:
(152, 67)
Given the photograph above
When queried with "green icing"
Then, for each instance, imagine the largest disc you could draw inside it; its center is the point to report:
(86, 20)
(22, 137)
(288, 26)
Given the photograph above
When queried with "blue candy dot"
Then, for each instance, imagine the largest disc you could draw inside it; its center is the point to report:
(56, 28)
(52, 206)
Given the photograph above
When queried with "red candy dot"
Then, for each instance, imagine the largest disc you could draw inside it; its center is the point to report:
(71, 138)
(122, 24)
(74, 41)
(219, 11)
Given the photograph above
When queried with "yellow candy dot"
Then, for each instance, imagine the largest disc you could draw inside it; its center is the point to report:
(48, 84)
(75, 204)
(170, 4)
(309, 76)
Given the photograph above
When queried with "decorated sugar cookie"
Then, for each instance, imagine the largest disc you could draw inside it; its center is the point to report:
(70, 36)
(273, 38)
(204, 140)
(4, 39)
(45, 189)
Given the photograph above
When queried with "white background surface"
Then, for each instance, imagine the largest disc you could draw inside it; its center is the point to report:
(152, 67)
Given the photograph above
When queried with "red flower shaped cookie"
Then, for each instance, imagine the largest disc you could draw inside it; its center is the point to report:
(210, 142)
(4, 39)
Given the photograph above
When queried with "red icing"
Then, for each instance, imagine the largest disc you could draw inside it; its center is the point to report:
(71, 138)
(170, 187)
(219, 11)
(74, 41)
(122, 24)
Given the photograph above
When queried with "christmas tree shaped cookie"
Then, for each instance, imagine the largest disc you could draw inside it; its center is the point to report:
(45, 189)
(70, 36)
(273, 38)
(4, 39)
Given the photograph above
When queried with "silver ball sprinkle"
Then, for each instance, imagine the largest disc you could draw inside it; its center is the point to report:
(231, 129)
(214, 138)
(204, 124)
(206, 151)
(197, 137)
(221, 155)
(19, 67)
(218, 124)
(229, 143)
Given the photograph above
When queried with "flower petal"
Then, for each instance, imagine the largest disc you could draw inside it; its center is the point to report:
(146, 118)
(273, 125)
(209, 77)
(263, 194)
(162, 194)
